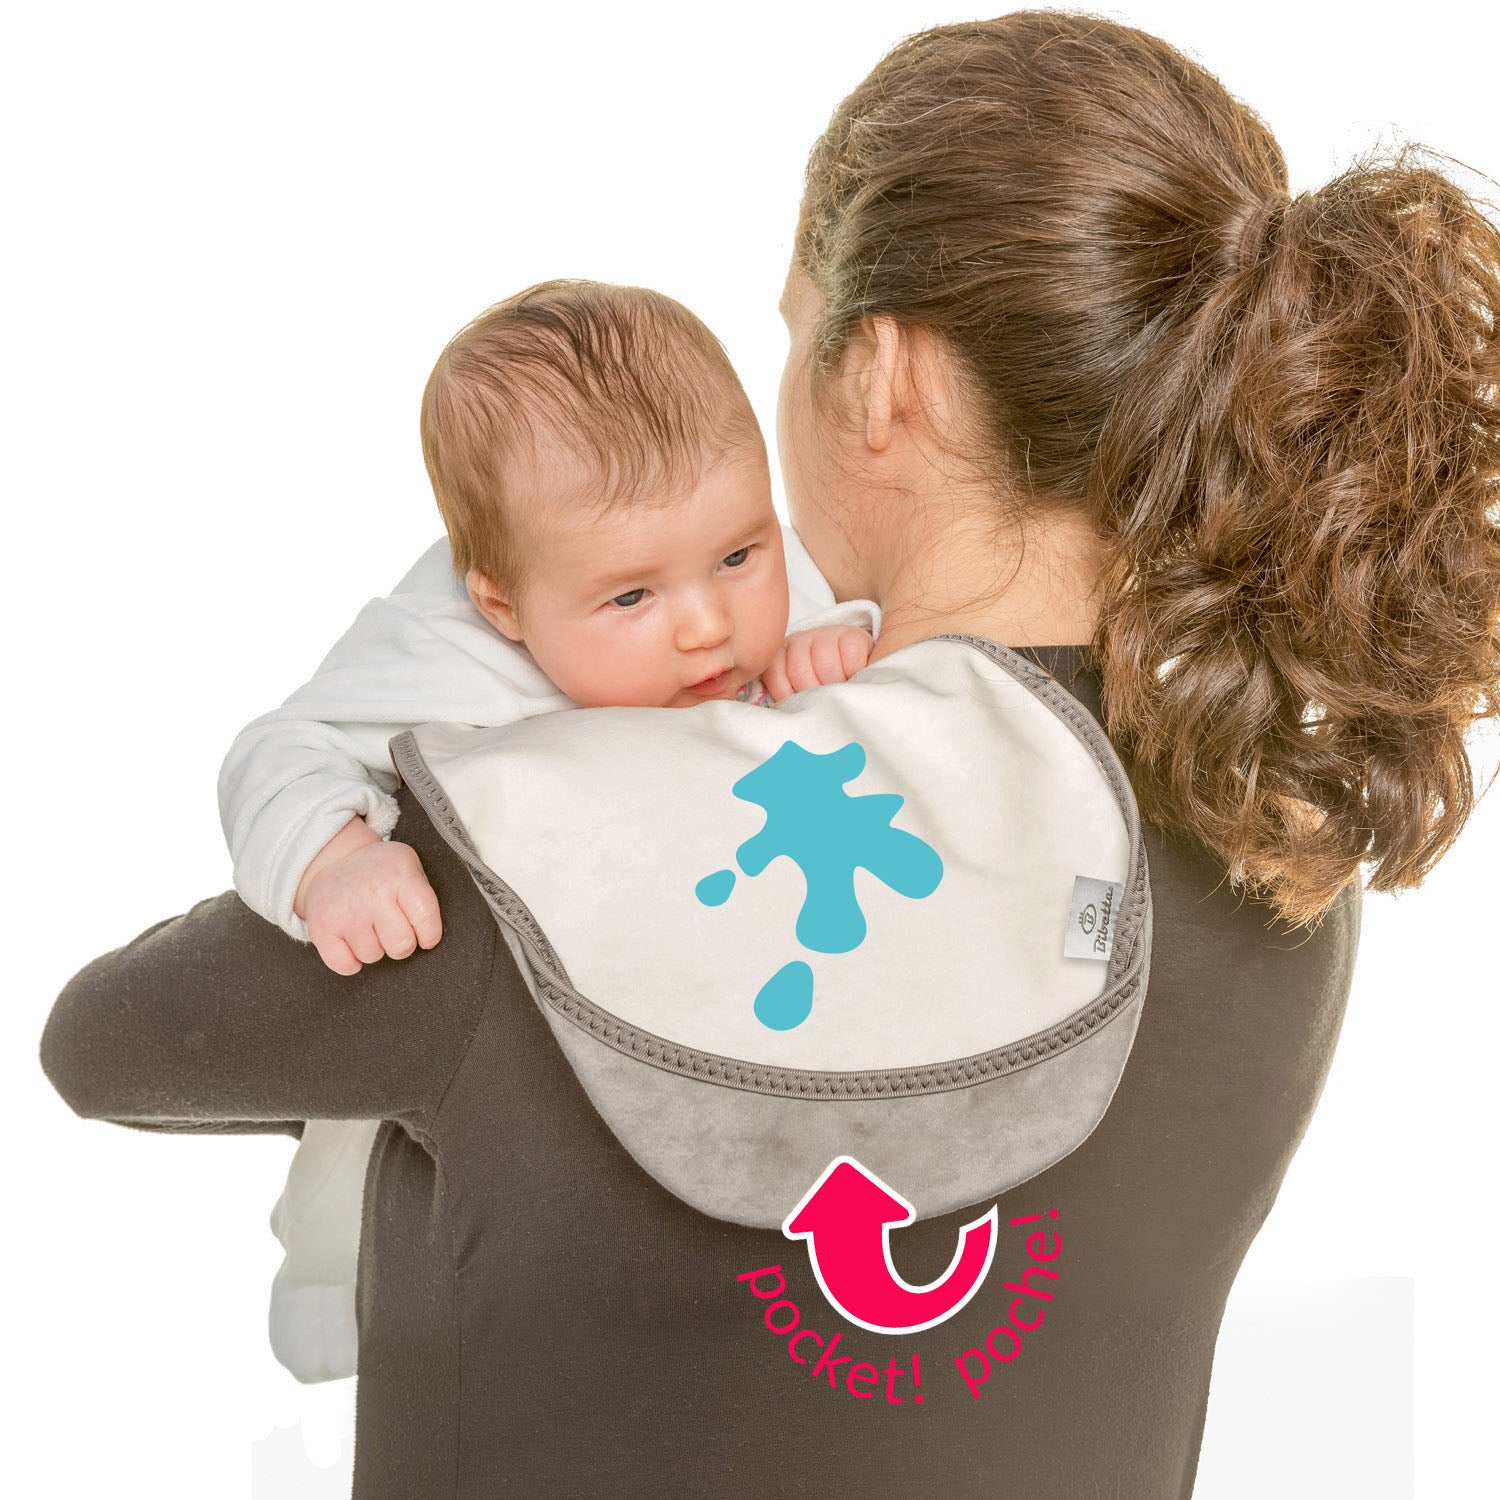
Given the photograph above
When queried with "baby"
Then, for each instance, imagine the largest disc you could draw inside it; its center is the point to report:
(611, 541)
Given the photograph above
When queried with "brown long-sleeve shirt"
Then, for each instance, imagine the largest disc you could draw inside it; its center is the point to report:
(539, 1317)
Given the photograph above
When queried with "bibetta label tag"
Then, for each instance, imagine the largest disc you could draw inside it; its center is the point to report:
(1092, 917)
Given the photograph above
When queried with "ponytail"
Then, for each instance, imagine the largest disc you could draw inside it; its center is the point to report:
(1303, 478)
(1281, 415)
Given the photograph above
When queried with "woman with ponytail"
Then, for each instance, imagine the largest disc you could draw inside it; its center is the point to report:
(1275, 416)
(1074, 371)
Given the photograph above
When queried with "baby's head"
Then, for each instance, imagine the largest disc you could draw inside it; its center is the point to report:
(606, 492)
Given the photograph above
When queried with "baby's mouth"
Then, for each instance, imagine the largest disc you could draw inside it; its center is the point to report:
(711, 685)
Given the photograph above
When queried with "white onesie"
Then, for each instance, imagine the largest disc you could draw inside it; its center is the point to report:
(296, 775)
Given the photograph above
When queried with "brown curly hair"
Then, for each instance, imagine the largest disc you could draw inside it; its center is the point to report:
(1279, 412)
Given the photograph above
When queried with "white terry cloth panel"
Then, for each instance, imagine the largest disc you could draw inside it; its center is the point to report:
(591, 831)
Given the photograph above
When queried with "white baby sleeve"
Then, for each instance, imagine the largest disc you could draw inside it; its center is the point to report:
(863, 612)
(295, 776)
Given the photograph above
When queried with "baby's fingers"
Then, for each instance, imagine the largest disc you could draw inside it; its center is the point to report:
(338, 956)
(774, 679)
(801, 672)
(856, 646)
(813, 659)
(365, 944)
(419, 902)
(395, 933)
(827, 661)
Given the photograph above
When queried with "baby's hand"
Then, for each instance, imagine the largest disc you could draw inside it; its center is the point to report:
(364, 899)
(813, 658)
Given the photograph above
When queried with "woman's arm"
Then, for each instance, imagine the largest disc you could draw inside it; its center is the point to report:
(216, 1019)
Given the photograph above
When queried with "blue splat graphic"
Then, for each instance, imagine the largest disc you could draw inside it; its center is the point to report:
(713, 890)
(828, 834)
(785, 999)
(812, 820)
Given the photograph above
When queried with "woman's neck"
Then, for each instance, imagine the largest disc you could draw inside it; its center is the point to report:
(1042, 594)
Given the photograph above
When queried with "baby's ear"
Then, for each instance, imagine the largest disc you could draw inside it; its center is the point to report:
(493, 605)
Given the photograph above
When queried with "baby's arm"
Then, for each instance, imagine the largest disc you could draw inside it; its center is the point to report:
(364, 898)
(318, 769)
(826, 641)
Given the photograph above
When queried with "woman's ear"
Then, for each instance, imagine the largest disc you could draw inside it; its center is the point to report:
(885, 380)
(908, 377)
(493, 605)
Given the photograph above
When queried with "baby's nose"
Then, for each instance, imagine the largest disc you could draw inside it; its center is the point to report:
(704, 621)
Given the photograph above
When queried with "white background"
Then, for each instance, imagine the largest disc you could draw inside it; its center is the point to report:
(236, 238)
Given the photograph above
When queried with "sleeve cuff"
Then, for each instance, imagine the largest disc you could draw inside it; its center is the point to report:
(267, 881)
(862, 612)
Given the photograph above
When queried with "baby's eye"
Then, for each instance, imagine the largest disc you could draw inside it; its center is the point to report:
(740, 552)
(634, 598)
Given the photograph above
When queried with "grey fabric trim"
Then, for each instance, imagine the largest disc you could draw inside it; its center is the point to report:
(1123, 980)
(414, 771)
(745, 1158)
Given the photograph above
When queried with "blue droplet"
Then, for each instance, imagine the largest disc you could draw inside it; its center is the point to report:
(713, 890)
(785, 999)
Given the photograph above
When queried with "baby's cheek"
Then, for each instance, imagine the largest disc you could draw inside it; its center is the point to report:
(770, 632)
(585, 680)
(611, 679)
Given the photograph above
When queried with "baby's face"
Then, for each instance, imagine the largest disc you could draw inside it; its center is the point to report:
(638, 605)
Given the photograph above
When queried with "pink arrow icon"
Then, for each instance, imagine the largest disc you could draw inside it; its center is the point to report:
(845, 1215)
